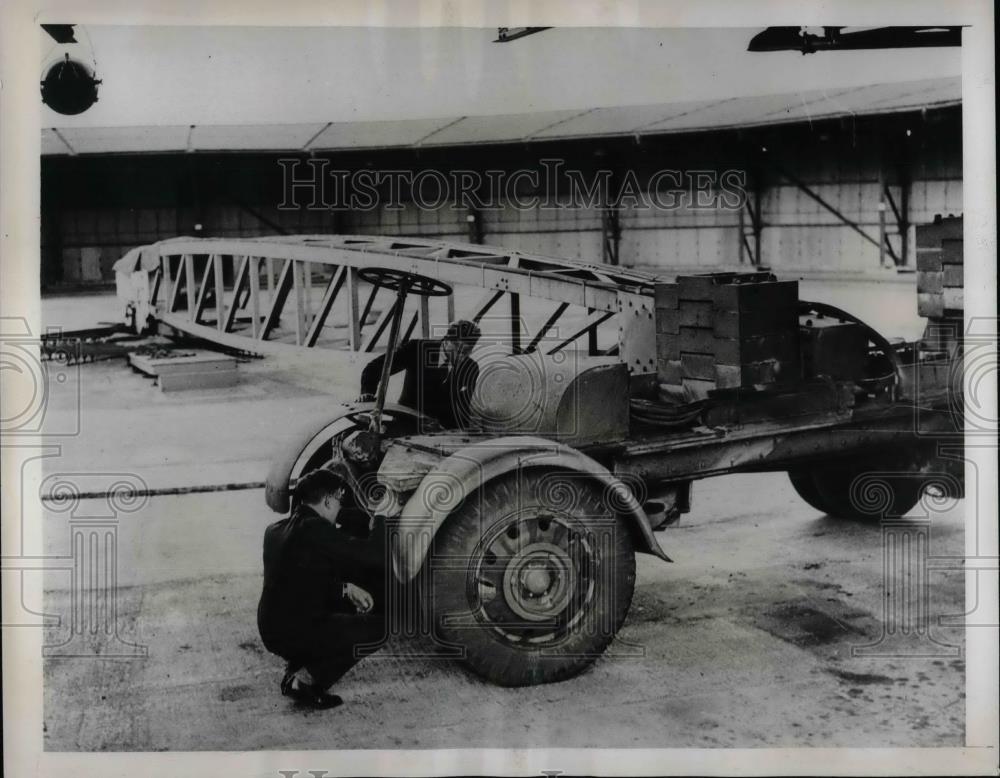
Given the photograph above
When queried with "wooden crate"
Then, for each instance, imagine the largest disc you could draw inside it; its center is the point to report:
(940, 269)
(734, 330)
(197, 370)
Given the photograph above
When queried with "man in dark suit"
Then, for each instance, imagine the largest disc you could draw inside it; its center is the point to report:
(440, 375)
(323, 597)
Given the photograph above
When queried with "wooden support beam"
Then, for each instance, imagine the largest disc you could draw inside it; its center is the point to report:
(326, 305)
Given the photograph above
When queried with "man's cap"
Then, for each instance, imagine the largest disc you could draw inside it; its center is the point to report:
(463, 331)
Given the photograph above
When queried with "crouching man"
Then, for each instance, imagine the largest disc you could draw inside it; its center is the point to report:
(321, 599)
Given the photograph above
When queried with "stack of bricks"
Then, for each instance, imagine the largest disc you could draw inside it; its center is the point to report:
(668, 344)
(726, 331)
(940, 273)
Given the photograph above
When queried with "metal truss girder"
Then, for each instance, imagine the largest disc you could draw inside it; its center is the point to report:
(593, 320)
(548, 325)
(380, 327)
(483, 306)
(281, 290)
(602, 291)
(326, 305)
(488, 267)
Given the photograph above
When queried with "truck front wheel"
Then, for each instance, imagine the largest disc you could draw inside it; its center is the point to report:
(531, 577)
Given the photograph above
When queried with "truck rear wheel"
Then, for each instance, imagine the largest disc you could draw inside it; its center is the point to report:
(834, 488)
(802, 481)
(532, 577)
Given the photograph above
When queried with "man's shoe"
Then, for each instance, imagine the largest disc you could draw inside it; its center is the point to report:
(310, 696)
(286, 682)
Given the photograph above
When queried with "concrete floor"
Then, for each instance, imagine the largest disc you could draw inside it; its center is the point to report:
(744, 641)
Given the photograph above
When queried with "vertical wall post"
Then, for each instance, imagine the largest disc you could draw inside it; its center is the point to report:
(474, 220)
(905, 181)
(882, 237)
(611, 234)
(758, 219)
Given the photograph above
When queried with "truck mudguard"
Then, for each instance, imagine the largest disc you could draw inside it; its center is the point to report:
(304, 445)
(470, 468)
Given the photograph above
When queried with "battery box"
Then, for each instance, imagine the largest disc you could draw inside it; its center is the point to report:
(833, 348)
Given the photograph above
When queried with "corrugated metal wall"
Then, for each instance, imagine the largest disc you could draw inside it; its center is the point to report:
(95, 209)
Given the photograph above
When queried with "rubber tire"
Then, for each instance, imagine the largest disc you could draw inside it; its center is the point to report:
(485, 652)
(827, 488)
(802, 482)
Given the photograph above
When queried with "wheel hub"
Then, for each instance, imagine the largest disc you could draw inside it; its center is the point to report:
(535, 580)
(532, 577)
(538, 581)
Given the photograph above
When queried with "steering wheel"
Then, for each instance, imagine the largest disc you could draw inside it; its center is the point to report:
(413, 283)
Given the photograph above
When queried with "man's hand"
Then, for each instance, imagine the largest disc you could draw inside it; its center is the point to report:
(361, 599)
(366, 397)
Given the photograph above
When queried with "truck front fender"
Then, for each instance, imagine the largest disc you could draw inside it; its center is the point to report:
(307, 444)
(470, 468)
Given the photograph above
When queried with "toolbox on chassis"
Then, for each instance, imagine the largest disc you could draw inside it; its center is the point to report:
(517, 537)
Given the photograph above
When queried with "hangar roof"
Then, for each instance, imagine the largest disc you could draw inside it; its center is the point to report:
(660, 118)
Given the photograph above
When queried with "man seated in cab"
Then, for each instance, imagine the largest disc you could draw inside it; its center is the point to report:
(440, 375)
(322, 607)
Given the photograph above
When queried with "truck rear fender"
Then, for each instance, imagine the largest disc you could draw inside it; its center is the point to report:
(470, 468)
